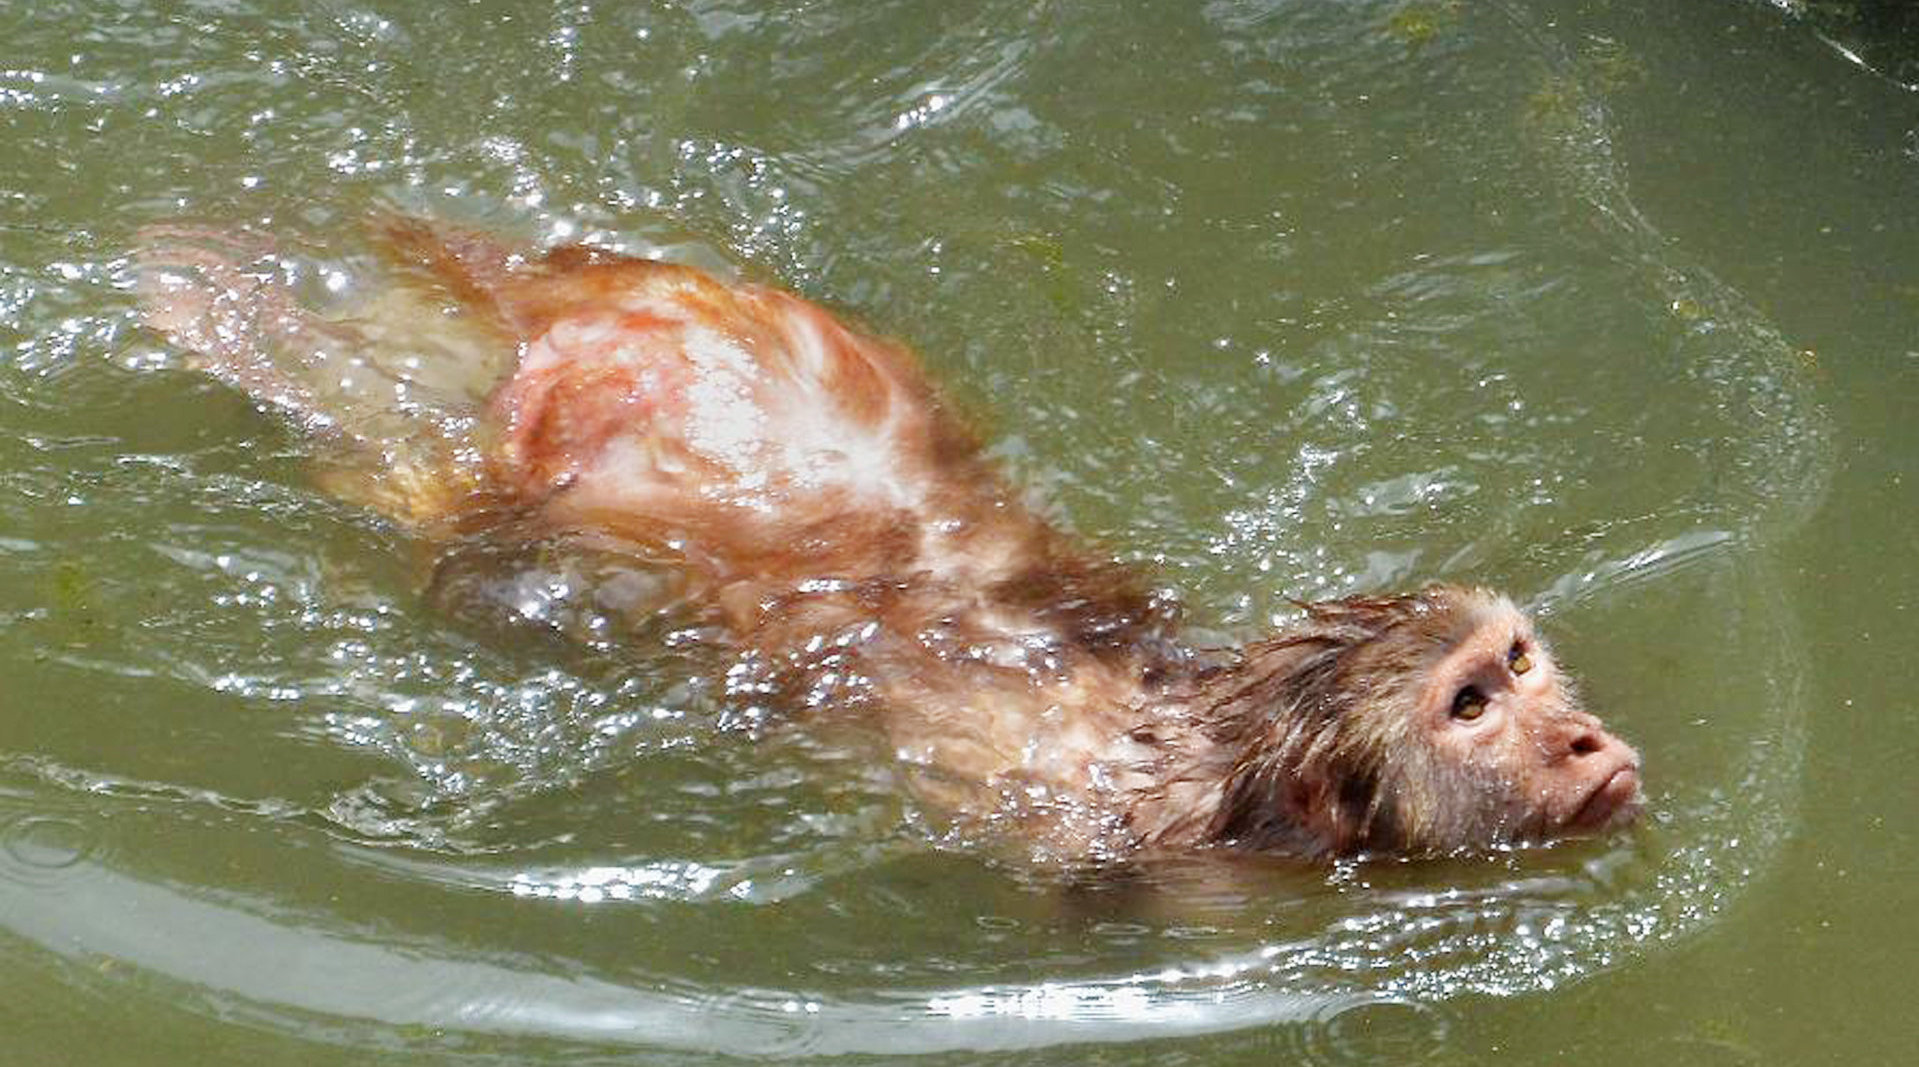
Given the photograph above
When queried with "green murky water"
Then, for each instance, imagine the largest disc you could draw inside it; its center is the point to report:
(1612, 304)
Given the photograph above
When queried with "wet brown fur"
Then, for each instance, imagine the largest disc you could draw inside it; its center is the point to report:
(1032, 680)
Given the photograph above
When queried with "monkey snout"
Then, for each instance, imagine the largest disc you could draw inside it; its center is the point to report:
(1588, 741)
(1584, 742)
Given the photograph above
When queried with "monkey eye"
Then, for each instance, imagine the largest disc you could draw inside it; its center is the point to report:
(1517, 659)
(1469, 703)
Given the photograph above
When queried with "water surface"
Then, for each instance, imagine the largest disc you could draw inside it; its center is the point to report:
(1606, 304)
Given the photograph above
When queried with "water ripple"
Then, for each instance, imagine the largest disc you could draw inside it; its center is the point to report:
(44, 850)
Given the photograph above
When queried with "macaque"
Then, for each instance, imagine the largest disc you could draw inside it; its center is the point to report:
(812, 497)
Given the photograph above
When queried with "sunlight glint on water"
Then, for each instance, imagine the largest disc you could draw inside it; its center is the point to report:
(1350, 313)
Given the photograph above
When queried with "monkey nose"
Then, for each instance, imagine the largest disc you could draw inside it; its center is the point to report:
(1586, 738)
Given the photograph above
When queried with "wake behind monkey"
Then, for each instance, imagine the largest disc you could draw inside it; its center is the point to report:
(809, 494)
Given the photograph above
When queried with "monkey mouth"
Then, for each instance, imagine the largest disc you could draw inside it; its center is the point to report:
(1613, 801)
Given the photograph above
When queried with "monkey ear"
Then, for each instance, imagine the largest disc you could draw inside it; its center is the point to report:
(1340, 804)
(1323, 813)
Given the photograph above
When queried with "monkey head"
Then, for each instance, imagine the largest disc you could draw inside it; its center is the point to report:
(1431, 722)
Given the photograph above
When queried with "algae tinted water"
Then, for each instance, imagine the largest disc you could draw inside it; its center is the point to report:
(1606, 304)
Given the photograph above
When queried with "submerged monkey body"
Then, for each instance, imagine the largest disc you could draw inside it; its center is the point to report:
(807, 487)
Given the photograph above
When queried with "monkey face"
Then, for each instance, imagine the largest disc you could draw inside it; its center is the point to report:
(1511, 756)
(1428, 722)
